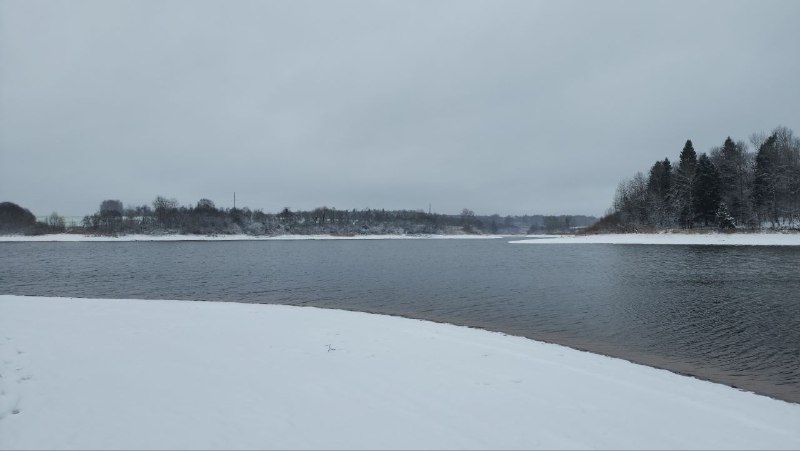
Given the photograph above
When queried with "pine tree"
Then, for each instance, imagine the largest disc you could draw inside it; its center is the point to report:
(706, 188)
(659, 185)
(688, 158)
(659, 181)
(733, 164)
(666, 178)
(683, 185)
(764, 183)
(724, 219)
(654, 180)
(725, 164)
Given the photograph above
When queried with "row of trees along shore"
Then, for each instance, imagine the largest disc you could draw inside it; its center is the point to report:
(728, 188)
(167, 216)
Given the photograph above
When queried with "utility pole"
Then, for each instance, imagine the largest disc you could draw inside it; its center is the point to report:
(234, 200)
(429, 208)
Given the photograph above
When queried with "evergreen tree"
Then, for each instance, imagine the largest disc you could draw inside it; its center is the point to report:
(733, 163)
(725, 164)
(706, 187)
(666, 178)
(658, 188)
(688, 158)
(764, 182)
(655, 180)
(724, 219)
(683, 185)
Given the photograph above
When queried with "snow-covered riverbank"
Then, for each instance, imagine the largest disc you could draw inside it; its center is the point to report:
(80, 373)
(743, 239)
(70, 237)
(729, 239)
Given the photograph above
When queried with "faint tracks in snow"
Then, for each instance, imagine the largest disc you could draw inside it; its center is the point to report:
(12, 375)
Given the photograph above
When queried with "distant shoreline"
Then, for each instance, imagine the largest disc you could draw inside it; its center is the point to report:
(777, 238)
(72, 237)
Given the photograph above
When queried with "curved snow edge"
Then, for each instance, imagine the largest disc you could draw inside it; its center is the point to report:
(711, 239)
(99, 373)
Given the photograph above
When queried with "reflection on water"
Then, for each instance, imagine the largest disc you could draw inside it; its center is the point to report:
(728, 314)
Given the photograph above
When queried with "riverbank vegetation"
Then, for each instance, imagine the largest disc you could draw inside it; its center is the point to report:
(167, 216)
(728, 188)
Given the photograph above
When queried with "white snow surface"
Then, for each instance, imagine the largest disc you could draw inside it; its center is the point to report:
(729, 239)
(175, 237)
(110, 374)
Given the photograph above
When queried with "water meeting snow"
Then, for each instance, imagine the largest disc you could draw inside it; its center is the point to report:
(111, 373)
(729, 239)
(701, 239)
(71, 237)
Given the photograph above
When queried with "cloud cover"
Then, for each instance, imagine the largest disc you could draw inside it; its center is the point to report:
(499, 106)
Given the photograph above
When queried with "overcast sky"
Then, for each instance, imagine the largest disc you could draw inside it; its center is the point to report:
(505, 107)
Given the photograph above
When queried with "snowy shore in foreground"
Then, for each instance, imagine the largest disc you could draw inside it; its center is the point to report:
(70, 237)
(100, 373)
(724, 239)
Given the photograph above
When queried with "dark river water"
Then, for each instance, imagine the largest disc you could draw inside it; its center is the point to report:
(729, 314)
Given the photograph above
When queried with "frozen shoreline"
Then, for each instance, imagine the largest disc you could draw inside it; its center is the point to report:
(734, 239)
(71, 237)
(711, 239)
(102, 373)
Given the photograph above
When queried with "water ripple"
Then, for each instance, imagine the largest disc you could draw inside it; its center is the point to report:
(728, 314)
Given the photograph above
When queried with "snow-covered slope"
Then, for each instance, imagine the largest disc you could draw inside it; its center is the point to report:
(101, 373)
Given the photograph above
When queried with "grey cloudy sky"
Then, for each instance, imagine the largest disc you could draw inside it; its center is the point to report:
(499, 106)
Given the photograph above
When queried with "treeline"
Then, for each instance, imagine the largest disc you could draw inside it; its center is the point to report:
(535, 224)
(167, 216)
(728, 188)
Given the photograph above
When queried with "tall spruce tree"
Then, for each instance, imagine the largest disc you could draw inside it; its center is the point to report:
(725, 163)
(683, 185)
(654, 180)
(688, 158)
(733, 163)
(659, 181)
(764, 182)
(659, 185)
(666, 178)
(706, 191)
